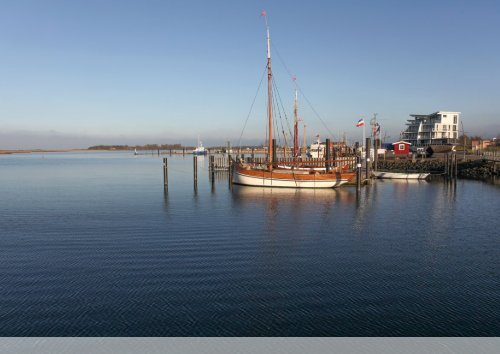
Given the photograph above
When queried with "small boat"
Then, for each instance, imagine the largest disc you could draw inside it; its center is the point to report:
(317, 149)
(200, 150)
(275, 174)
(400, 175)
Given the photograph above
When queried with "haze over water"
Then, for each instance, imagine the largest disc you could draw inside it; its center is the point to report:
(91, 246)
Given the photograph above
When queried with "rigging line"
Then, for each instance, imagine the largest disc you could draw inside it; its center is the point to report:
(283, 108)
(314, 110)
(281, 60)
(279, 110)
(251, 107)
(298, 87)
(275, 87)
(275, 122)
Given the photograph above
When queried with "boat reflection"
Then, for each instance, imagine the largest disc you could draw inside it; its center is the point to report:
(297, 208)
(402, 181)
(251, 194)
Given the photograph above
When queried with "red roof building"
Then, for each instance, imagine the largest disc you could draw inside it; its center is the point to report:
(401, 148)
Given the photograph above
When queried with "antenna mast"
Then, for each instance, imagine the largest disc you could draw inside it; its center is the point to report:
(296, 129)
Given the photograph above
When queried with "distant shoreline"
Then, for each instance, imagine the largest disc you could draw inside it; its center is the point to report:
(28, 151)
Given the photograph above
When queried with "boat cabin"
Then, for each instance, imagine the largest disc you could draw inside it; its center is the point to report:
(401, 148)
(316, 150)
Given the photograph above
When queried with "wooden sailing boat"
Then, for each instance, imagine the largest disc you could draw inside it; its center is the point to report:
(269, 176)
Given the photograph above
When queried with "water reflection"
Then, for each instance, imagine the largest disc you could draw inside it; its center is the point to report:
(296, 206)
(242, 194)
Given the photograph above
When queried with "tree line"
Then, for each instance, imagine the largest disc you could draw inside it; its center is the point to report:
(139, 147)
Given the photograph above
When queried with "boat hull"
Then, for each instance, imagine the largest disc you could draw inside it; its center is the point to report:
(282, 179)
(400, 175)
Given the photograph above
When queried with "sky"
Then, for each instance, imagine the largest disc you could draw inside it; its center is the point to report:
(80, 73)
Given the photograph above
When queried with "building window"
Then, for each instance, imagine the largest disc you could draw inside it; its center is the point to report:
(455, 117)
(444, 115)
(401, 147)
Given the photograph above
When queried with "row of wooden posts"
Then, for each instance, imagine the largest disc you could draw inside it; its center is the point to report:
(225, 164)
(451, 165)
(222, 163)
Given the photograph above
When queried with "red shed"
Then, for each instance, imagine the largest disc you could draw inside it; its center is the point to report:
(401, 148)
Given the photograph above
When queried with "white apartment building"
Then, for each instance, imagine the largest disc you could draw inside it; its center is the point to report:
(435, 128)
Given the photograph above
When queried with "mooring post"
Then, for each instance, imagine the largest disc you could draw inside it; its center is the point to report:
(327, 157)
(375, 155)
(358, 173)
(212, 167)
(456, 165)
(450, 165)
(229, 171)
(183, 151)
(445, 162)
(165, 174)
(367, 156)
(212, 162)
(274, 151)
(195, 172)
(453, 165)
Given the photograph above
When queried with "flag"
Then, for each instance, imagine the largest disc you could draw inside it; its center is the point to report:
(263, 13)
(360, 123)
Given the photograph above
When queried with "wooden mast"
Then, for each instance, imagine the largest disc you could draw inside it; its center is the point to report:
(269, 99)
(296, 129)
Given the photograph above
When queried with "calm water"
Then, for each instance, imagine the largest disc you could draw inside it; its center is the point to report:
(91, 246)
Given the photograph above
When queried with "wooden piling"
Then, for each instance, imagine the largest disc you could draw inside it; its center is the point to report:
(195, 172)
(212, 169)
(274, 151)
(456, 165)
(165, 174)
(327, 157)
(376, 142)
(358, 173)
(367, 157)
(229, 174)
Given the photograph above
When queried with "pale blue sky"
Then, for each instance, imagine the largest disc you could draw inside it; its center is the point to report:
(78, 73)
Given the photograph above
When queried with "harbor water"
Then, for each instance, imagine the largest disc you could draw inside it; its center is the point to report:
(90, 245)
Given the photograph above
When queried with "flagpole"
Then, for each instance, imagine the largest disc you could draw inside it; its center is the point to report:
(364, 140)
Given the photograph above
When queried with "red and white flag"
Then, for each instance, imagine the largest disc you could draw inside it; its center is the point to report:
(360, 123)
(263, 13)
